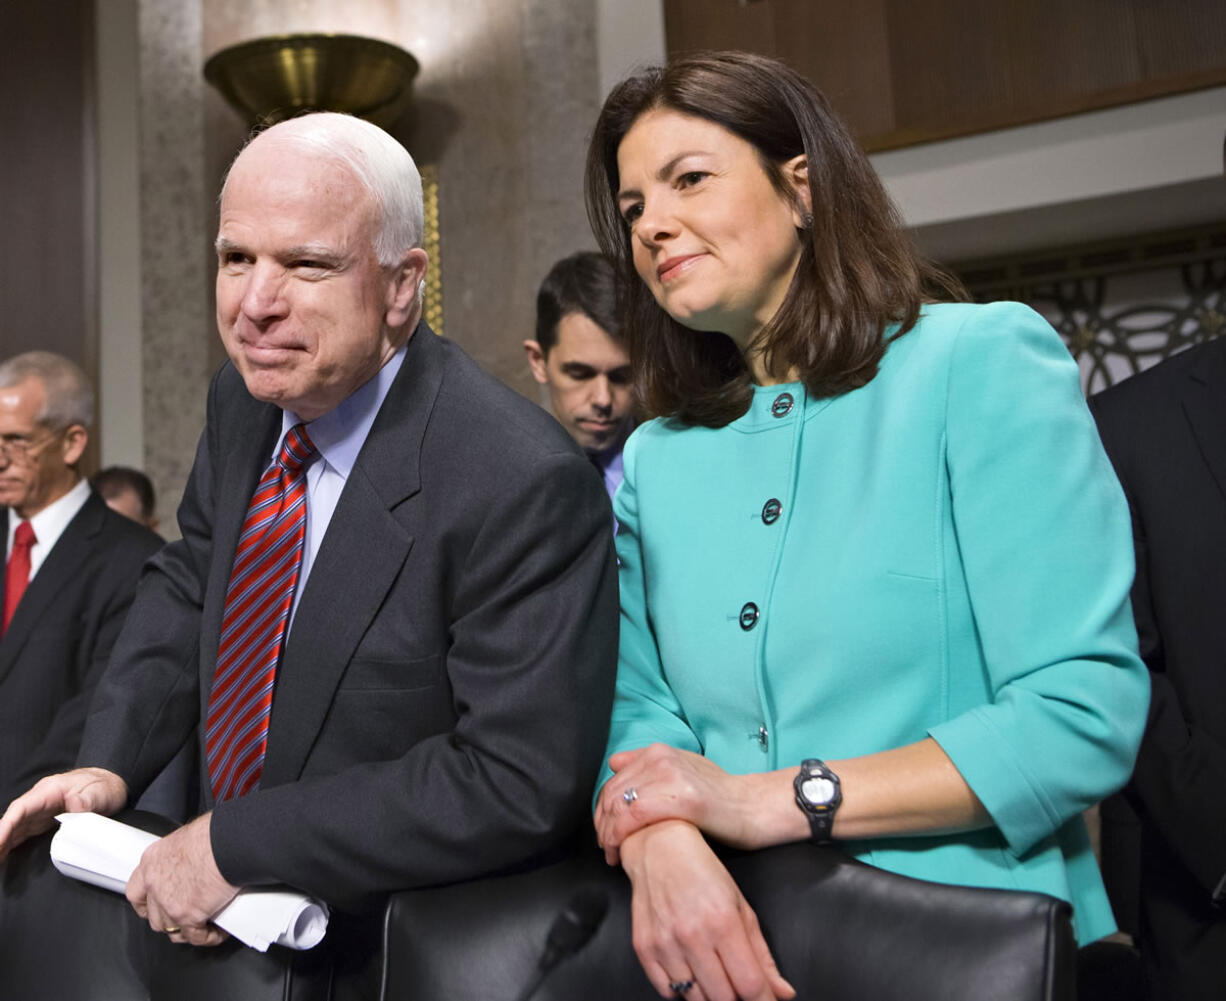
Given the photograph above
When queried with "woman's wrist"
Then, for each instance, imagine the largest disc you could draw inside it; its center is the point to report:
(636, 845)
(758, 810)
(779, 820)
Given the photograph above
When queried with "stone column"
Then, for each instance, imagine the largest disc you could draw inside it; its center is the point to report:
(176, 321)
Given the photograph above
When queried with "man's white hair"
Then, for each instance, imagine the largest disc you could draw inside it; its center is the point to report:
(381, 165)
(69, 398)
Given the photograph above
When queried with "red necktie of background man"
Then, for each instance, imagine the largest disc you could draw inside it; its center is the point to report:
(17, 574)
(259, 598)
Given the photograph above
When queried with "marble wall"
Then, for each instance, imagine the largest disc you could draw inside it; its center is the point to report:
(507, 93)
(176, 325)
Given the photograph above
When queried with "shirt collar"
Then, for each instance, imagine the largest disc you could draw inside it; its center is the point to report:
(610, 462)
(340, 433)
(50, 522)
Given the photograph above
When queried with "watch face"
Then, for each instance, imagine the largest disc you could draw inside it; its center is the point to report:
(817, 790)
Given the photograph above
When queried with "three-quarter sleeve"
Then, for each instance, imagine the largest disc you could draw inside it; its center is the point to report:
(1044, 536)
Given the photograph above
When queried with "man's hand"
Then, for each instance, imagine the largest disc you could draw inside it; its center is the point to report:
(178, 888)
(83, 790)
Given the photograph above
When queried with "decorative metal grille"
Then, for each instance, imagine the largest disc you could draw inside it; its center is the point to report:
(1120, 307)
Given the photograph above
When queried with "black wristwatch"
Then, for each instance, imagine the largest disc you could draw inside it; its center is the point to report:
(818, 793)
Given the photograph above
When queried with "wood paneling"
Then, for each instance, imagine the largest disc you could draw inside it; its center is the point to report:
(47, 172)
(904, 71)
(1181, 38)
(849, 57)
(690, 25)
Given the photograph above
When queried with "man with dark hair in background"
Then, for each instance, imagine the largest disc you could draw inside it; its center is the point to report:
(129, 492)
(578, 355)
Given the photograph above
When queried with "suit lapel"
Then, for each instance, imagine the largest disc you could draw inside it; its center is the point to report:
(361, 556)
(1204, 405)
(57, 571)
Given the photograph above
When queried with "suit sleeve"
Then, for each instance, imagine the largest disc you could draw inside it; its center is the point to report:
(147, 702)
(531, 664)
(645, 709)
(1180, 772)
(1042, 528)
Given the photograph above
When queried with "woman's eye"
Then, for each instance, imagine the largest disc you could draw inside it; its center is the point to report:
(691, 177)
(631, 213)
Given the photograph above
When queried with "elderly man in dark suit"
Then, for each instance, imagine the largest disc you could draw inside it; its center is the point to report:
(71, 568)
(1165, 431)
(393, 609)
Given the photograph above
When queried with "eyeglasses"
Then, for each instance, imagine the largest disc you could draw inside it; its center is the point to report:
(22, 448)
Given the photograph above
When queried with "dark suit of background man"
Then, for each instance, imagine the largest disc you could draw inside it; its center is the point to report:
(442, 699)
(67, 592)
(1165, 431)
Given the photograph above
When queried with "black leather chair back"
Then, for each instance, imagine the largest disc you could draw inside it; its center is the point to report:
(62, 939)
(840, 931)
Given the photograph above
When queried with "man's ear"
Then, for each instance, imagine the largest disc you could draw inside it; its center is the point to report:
(796, 172)
(404, 296)
(536, 361)
(75, 440)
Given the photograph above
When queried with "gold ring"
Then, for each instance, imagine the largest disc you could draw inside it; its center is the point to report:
(172, 929)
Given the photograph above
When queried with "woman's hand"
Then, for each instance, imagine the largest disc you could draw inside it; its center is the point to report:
(691, 923)
(660, 783)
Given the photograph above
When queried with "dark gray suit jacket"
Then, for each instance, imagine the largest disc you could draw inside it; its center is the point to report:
(443, 700)
(1165, 431)
(61, 635)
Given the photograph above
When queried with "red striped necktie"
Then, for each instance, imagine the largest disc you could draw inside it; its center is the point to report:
(253, 626)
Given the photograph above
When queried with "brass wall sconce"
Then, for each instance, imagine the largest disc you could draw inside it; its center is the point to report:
(267, 79)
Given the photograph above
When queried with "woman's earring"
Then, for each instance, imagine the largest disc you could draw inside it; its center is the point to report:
(807, 221)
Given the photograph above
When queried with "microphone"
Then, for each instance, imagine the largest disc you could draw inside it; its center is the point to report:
(579, 919)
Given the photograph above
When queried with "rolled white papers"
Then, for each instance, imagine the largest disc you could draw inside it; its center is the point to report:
(104, 852)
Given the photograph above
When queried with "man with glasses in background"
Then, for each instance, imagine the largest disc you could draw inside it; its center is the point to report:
(71, 566)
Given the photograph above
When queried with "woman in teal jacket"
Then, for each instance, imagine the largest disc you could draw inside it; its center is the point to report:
(869, 537)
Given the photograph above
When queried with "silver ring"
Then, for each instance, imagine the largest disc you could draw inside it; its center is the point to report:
(680, 987)
(630, 795)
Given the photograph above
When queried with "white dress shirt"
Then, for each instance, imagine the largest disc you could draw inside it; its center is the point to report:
(339, 435)
(48, 524)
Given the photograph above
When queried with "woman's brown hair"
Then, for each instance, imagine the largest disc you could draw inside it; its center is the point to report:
(858, 273)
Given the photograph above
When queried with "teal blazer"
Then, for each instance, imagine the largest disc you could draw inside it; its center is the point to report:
(945, 552)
